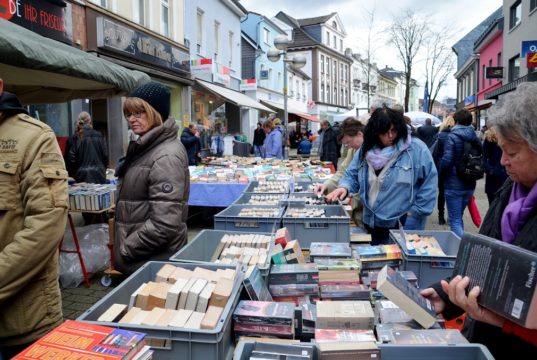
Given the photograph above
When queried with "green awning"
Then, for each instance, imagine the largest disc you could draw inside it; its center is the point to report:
(42, 70)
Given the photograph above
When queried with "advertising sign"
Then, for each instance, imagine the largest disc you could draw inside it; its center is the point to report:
(531, 59)
(528, 46)
(494, 72)
(248, 85)
(47, 18)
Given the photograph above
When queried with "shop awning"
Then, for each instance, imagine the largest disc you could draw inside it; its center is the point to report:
(291, 110)
(42, 70)
(233, 96)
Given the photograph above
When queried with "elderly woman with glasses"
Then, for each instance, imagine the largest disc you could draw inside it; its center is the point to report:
(512, 218)
(154, 182)
(394, 176)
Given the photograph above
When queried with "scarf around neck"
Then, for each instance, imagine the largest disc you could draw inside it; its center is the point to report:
(521, 203)
(378, 157)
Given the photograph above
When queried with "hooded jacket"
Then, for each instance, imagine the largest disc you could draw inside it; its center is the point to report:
(33, 215)
(152, 205)
(453, 151)
(192, 145)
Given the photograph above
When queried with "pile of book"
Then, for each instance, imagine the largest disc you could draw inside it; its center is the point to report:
(377, 256)
(287, 252)
(291, 282)
(269, 351)
(79, 340)
(248, 249)
(423, 245)
(178, 297)
(266, 319)
(91, 197)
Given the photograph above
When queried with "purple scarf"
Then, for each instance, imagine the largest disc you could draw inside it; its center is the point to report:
(378, 157)
(515, 214)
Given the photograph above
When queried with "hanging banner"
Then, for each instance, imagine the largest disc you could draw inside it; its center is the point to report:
(248, 85)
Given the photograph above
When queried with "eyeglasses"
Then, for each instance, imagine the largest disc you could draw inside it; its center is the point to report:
(136, 115)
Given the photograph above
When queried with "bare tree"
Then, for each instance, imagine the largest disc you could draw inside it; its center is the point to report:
(439, 62)
(369, 51)
(406, 34)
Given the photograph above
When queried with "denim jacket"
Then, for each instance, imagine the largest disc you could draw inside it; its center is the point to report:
(411, 184)
(273, 144)
(453, 148)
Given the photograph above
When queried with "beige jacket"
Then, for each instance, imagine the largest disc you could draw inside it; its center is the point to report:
(33, 213)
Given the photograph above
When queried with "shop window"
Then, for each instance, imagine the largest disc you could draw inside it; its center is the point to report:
(514, 68)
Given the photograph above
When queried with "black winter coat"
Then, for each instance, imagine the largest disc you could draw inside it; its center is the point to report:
(330, 146)
(495, 174)
(90, 157)
(427, 134)
(501, 345)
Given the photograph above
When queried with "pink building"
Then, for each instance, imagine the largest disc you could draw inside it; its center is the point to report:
(489, 49)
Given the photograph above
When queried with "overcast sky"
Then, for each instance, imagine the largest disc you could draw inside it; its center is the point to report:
(461, 15)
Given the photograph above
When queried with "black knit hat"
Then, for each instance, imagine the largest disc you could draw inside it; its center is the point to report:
(156, 95)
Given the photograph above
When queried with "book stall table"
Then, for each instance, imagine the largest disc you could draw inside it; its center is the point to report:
(75, 237)
(215, 194)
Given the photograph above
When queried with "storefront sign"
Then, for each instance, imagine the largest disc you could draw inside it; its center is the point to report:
(201, 66)
(531, 58)
(222, 75)
(49, 19)
(527, 47)
(494, 72)
(248, 85)
(135, 44)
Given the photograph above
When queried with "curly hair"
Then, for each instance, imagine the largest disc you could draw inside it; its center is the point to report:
(514, 117)
(380, 123)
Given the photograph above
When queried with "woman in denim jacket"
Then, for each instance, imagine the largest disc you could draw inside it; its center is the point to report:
(393, 174)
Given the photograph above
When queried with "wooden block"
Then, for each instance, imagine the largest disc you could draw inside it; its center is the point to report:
(113, 313)
(157, 297)
(139, 317)
(184, 293)
(210, 320)
(193, 294)
(194, 322)
(153, 316)
(205, 296)
(180, 319)
(164, 273)
(172, 298)
(206, 274)
(221, 293)
(132, 300)
(143, 295)
(180, 273)
(166, 317)
(130, 315)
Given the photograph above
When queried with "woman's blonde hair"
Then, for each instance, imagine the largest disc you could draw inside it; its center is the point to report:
(447, 124)
(490, 135)
(137, 105)
(269, 124)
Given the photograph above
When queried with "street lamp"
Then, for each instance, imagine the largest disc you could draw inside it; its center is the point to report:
(281, 43)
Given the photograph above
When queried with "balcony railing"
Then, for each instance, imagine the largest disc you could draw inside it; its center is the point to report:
(510, 86)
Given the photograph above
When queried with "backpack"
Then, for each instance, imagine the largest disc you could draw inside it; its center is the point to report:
(471, 164)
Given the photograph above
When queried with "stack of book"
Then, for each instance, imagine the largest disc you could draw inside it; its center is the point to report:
(349, 350)
(266, 319)
(352, 315)
(248, 249)
(279, 351)
(377, 256)
(177, 297)
(329, 250)
(290, 282)
(291, 253)
(306, 315)
(91, 197)
(78, 340)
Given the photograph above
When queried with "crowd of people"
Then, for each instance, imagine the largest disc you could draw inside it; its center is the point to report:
(394, 178)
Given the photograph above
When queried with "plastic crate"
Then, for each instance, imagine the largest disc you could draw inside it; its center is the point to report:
(244, 348)
(245, 198)
(436, 352)
(308, 230)
(181, 343)
(254, 184)
(299, 199)
(304, 185)
(200, 249)
(230, 220)
(430, 269)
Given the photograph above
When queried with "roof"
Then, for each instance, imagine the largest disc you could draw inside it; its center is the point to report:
(249, 40)
(302, 39)
(315, 20)
(299, 72)
(465, 46)
(494, 28)
(267, 20)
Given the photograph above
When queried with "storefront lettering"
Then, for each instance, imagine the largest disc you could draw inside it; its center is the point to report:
(28, 12)
(145, 46)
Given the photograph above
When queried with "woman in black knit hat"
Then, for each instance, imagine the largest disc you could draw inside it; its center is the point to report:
(154, 181)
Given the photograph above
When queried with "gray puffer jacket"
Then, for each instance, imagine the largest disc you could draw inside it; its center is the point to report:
(152, 205)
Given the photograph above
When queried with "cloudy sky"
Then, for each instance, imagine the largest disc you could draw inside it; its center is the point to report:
(460, 15)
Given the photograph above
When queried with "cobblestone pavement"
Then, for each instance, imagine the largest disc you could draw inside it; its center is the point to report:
(77, 300)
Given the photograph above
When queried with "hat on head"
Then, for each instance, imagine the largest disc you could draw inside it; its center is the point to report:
(156, 95)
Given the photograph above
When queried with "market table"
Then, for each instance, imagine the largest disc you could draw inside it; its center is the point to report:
(215, 194)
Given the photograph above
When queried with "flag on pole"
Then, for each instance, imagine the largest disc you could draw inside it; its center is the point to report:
(426, 97)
